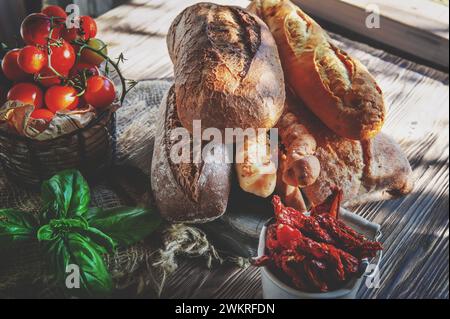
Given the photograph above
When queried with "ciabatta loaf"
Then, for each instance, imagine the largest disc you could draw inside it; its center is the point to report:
(227, 69)
(187, 192)
(334, 85)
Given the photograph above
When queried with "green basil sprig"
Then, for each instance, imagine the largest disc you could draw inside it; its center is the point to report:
(16, 227)
(74, 234)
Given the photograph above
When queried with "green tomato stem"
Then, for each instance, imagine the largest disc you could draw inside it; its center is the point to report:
(123, 81)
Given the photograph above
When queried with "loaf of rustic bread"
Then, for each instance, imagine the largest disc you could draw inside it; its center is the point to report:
(335, 86)
(227, 69)
(369, 170)
(187, 192)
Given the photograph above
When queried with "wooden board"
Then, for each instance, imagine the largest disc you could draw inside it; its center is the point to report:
(415, 228)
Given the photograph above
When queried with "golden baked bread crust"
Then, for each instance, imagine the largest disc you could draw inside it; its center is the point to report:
(227, 68)
(335, 86)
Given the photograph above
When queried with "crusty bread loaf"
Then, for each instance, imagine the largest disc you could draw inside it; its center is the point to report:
(227, 68)
(375, 169)
(187, 192)
(335, 86)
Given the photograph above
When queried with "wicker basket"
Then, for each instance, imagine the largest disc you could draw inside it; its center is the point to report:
(91, 149)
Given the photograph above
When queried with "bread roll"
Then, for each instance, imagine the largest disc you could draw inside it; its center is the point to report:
(335, 86)
(257, 174)
(227, 69)
(300, 166)
(290, 195)
(187, 192)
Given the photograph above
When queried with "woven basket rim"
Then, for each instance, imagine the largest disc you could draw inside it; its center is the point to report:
(95, 121)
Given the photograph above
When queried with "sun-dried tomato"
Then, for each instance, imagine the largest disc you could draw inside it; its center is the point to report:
(317, 252)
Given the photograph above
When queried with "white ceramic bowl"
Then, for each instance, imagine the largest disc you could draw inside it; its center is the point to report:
(273, 288)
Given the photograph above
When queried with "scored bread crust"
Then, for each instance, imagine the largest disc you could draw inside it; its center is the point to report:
(335, 86)
(187, 192)
(227, 68)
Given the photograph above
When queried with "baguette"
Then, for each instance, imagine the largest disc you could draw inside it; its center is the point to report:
(187, 192)
(228, 72)
(335, 86)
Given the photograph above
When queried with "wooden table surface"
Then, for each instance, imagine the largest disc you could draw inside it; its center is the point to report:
(415, 228)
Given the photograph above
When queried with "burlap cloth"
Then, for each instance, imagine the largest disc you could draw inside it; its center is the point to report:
(128, 183)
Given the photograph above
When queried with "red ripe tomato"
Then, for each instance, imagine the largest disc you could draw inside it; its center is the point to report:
(49, 78)
(88, 27)
(32, 59)
(100, 91)
(10, 66)
(55, 11)
(80, 67)
(91, 57)
(60, 98)
(86, 31)
(70, 35)
(26, 93)
(62, 57)
(35, 29)
(42, 114)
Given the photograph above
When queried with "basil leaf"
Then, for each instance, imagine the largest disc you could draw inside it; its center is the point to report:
(105, 243)
(46, 233)
(58, 257)
(75, 249)
(58, 227)
(93, 212)
(126, 225)
(16, 226)
(66, 195)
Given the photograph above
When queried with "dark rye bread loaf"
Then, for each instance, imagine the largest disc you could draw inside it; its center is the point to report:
(186, 192)
(227, 69)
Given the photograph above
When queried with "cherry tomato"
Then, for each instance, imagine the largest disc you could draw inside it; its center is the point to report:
(26, 93)
(35, 29)
(86, 31)
(91, 57)
(55, 11)
(49, 78)
(32, 59)
(10, 67)
(59, 98)
(88, 27)
(42, 114)
(80, 67)
(62, 57)
(100, 91)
